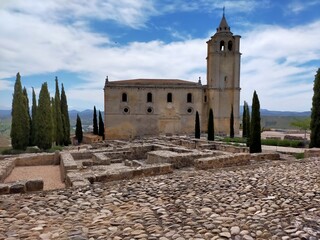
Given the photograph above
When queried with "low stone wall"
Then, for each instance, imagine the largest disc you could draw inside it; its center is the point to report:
(37, 159)
(22, 186)
(6, 167)
(67, 163)
(100, 159)
(224, 147)
(222, 161)
(81, 155)
(178, 160)
(77, 179)
(233, 160)
(312, 152)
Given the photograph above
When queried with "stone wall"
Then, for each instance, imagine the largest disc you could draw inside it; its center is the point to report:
(37, 159)
(67, 163)
(233, 160)
(312, 152)
(22, 186)
(6, 167)
(77, 179)
(178, 160)
(81, 155)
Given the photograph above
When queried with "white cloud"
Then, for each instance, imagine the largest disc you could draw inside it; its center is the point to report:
(126, 12)
(36, 39)
(231, 6)
(5, 85)
(298, 6)
(276, 63)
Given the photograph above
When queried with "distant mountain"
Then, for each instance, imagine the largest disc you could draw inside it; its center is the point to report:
(87, 115)
(5, 114)
(266, 112)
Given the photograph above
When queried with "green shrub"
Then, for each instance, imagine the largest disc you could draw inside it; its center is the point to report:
(299, 155)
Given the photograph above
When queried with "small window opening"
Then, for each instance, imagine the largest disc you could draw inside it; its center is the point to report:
(126, 110)
(230, 45)
(124, 97)
(189, 98)
(149, 110)
(222, 46)
(149, 97)
(190, 110)
(169, 97)
(205, 98)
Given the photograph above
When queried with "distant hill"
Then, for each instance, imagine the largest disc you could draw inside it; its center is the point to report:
(4, 114)
(269, 119)
(266, 112)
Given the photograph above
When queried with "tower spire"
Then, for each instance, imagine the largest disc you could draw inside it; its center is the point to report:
(223, 26)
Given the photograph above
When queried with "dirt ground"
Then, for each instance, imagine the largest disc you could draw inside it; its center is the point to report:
(50, 175)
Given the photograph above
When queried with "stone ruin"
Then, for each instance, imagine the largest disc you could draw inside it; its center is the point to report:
(119, 160)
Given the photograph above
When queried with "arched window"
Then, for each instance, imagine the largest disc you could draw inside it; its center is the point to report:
(149, 97)
(169, 97)
(124, 97)
(189, 97)
(230, 45)
(221, 45)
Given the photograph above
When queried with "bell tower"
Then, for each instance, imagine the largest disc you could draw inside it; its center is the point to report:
(223, 77)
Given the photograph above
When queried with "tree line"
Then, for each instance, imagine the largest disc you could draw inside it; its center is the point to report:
(97, 129)
(251, 125)
(48, 122)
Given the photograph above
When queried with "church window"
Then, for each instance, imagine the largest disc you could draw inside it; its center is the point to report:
(190, 110)
(124, 97)
(221, 45)
(149, 97)
(230, 45)
(189, 97)
(169, 97)
(149, 110)
(126, 110)
(205, 99)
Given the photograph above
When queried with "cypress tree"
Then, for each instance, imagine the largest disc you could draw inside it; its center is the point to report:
(95, 122)
(44, 119)
(79, 133)
(244, 120)
(255, 128)
(101, 126)
(197, 126)
(58, 116)
(33, 121)
(20, 128)
(231, 123)
(54, 123)
(65, 117)
(315, 113)
(28, 124)
(211, 126)
(248, 124)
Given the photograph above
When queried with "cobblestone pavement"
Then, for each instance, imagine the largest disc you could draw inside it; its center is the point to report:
(269, 201)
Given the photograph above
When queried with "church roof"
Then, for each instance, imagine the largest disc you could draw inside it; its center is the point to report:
(153, 82)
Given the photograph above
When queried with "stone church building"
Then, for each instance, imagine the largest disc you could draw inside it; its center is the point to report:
(149, 107)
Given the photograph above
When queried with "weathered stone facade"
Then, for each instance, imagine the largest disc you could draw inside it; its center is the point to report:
(149, 107)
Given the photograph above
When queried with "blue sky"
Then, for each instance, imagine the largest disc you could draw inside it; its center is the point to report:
(83, 41)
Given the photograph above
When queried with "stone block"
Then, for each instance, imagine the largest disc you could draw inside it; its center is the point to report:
(34, 185)
(127, 163)
(18, 187)
(4, 188)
